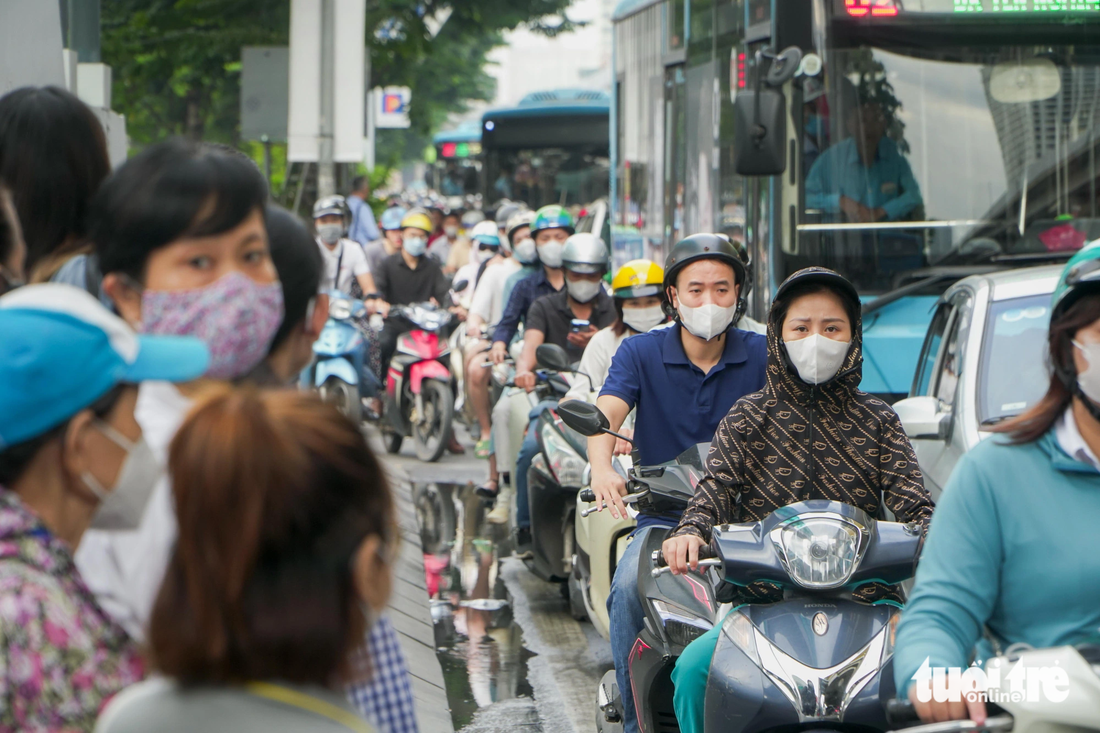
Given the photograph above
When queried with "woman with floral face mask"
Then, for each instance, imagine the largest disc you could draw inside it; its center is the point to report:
(72, 456)
(809, 434)
(179, 232)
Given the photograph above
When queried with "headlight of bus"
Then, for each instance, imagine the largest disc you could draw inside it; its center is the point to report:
(340, 309)
(568, 467)
(819, 552)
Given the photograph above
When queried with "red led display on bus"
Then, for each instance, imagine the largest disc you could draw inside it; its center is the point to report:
(873, 8)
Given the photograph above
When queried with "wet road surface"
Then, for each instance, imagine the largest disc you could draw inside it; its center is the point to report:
(513, 658)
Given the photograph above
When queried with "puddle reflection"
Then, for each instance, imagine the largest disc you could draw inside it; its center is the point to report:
(479, 645)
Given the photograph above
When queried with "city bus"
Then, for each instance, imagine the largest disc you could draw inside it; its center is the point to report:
(456, 170)
(551, 148)
(924, 140)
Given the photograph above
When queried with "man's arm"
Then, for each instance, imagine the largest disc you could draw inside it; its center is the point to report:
(513, 312)
(607, 484)
(525, 376)
(910, 197)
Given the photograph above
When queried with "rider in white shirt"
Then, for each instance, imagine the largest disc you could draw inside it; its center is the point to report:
(344, 258)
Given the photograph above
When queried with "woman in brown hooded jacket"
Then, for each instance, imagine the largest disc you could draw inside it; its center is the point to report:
(810, 434)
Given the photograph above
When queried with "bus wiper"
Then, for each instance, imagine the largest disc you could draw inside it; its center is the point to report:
(927, 276)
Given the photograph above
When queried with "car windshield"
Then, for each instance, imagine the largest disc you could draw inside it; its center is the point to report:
(927, 156)
(1013, 366)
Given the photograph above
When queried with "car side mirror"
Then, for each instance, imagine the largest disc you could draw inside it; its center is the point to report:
(922, 418)
(553, 357)
(584, 417)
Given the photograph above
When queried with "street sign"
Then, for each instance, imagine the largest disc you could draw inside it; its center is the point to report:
(391, 107)
(265, 92)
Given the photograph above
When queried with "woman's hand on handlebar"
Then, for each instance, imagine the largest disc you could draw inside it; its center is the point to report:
(941, 712)
(499, 352)
(682, 552)
(382, 307)
(526, 380)
(609, 488)
(623, 448)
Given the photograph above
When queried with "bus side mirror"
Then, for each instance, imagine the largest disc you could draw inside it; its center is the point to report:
(760, 149)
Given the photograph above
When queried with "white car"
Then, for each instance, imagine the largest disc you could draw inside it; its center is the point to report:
(983, 361)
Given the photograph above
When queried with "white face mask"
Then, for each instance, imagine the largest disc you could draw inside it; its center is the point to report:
(123, 506)
(485, 254)
(583, 291)
(1089, 380)
(451, 232)
(550, 253)
(816, 358)
(707, 321)
(526, 251)
(330, 233)
(644, 319)
(415, 246)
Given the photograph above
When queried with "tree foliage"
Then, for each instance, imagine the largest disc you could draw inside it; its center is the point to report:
(176, 63)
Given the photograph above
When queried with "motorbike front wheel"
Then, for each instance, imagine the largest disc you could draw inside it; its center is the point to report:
(432, 429)
(344, 397)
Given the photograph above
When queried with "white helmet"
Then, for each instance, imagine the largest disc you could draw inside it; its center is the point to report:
(584, 252)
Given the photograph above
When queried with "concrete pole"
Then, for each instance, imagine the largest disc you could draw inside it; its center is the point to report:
(326, 166)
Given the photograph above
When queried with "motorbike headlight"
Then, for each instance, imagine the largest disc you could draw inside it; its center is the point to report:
(681, 625)
(567, 466)
(739, 629)
(819, 552)
(340, 308)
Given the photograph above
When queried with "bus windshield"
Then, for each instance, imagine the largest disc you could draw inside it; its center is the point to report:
(915, 158)
(554, 175)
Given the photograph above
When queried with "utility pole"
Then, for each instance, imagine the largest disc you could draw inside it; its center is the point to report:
(326, 164)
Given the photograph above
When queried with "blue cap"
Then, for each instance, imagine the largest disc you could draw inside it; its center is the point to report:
(391, 218)
(61, 350)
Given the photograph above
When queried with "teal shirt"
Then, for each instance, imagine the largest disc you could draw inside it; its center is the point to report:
(888, 183)
(1014, 544)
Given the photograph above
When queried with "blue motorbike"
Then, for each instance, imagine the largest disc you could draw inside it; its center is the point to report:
(340, 371)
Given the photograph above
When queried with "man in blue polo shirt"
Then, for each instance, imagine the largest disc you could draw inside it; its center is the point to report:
(682, 380)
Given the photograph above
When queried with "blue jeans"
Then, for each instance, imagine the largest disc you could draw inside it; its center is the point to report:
(527, 453)
(627, 618)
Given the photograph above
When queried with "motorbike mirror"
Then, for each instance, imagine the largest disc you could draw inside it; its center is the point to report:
(554, 358)
(584, 417)
(459, 286)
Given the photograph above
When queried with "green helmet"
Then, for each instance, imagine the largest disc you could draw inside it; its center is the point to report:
(552, 217)
(1081, 276)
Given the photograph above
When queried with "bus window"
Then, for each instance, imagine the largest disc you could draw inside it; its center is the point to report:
(915, 158)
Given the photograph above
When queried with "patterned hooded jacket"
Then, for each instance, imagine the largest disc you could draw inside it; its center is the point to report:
(794, 441)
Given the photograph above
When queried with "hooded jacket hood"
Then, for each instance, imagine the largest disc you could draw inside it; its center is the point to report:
(782, 378)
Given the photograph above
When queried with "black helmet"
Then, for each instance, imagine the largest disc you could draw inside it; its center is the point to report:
(822, 276)
(706, 247)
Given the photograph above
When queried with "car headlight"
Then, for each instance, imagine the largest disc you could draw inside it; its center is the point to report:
(681, 625)
(340, 308)
(566, 464)
(819, 552)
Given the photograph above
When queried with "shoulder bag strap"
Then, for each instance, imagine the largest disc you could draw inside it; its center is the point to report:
(304, 701)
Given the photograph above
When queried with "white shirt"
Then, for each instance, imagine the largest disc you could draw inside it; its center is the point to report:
(467, 272)
(596, 362)
(124, 569)
(1071, 440)
(350, 258)
(488, 302)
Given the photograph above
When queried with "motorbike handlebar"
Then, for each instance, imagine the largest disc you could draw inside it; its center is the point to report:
(708, 558)
(900, 711)
(627, 499)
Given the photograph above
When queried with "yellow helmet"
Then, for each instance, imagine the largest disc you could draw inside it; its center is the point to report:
(638, 279)
(417, 219)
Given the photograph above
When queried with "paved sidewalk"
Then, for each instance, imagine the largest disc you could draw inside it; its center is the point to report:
(410, 614)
